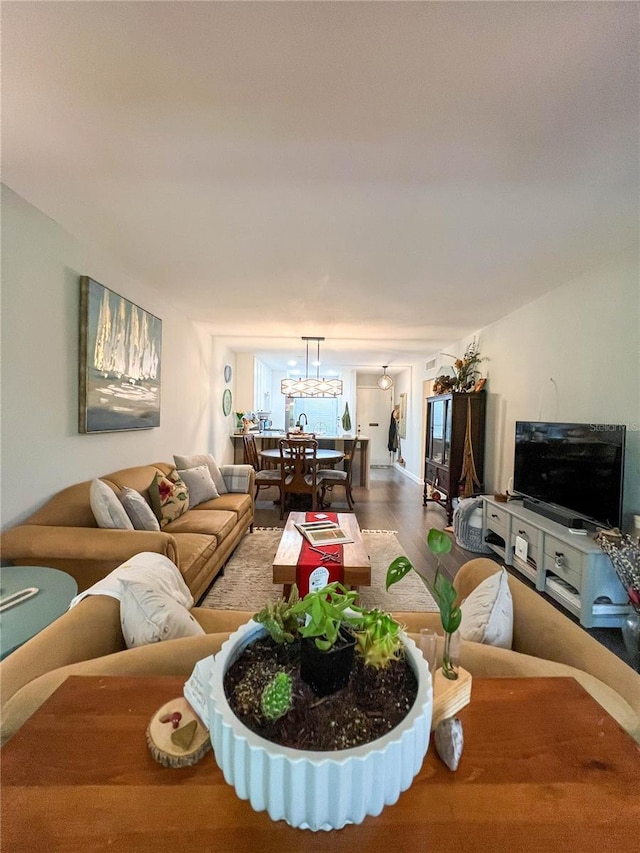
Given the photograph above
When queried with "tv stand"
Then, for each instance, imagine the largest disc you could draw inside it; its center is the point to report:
(573, 570)
(561, 516)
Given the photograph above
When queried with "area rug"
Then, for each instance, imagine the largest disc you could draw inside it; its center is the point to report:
(247, 580)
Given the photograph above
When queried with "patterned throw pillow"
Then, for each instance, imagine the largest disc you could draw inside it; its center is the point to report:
(169, 497)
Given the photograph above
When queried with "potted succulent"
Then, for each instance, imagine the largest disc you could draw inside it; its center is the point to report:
(444, 593)
(328, 787)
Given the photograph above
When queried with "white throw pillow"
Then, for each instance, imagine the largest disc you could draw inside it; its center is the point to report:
(107, 509)
(140, 513)
(184, 462)
(487, 614)
(150, 616)
(199, 484)
(154, 570)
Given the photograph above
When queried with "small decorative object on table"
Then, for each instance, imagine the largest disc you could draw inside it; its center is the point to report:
(175, 735)
(449, 740)
(624, 553)
(239, 418)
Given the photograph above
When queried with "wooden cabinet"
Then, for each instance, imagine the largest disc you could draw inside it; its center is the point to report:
(454, 452)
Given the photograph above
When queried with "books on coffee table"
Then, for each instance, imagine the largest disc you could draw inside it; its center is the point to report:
(323, 533)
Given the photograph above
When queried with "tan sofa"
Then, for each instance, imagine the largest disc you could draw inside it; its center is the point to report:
(63, 534)
(87, 640)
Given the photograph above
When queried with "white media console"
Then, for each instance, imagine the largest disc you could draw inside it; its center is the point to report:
(569, 567)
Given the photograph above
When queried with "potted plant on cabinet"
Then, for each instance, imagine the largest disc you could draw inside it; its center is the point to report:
(322, 787)
(444, 593)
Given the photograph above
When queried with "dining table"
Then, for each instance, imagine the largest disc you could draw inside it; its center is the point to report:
(324, 457)
(544, 768)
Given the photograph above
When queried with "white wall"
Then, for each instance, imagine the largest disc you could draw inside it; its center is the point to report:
(222, 426)
(42, 450)
(585, 336)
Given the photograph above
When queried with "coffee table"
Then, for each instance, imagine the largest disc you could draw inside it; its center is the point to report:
(544, 768)
(357, 565)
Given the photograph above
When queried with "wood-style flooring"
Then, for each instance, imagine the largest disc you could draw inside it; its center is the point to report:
(394, 502)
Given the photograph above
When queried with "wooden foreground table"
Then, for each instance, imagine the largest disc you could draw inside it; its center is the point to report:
(357, 566)
(544, 768)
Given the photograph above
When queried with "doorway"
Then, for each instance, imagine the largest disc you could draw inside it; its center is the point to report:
(374, 409)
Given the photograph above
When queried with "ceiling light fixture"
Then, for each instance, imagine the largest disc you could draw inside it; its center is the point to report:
(385, 382)
(311, 386)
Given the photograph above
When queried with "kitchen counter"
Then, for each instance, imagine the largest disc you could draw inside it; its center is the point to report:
(270, 438)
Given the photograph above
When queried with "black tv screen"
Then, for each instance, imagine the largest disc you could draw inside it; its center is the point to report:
(577, 467)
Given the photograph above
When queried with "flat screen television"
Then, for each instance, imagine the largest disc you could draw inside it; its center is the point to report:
(571, 472)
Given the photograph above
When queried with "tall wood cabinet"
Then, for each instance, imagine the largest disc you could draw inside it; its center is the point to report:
(454, 451)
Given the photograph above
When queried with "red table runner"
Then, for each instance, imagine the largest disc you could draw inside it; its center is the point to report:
(312, 572)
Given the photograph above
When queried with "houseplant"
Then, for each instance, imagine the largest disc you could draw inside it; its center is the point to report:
(444, 593)
(311, 788)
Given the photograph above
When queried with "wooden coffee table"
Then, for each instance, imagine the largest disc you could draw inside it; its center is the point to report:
(544, 768)
(357, 565)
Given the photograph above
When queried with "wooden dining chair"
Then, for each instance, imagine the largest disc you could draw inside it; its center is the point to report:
(298, 470)
(265, 477)
(329, 478)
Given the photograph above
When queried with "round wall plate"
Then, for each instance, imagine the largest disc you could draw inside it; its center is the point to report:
(227, 373)
(226, 401)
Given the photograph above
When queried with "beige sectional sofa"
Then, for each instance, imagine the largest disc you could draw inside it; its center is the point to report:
(87, 640)
(63, 534)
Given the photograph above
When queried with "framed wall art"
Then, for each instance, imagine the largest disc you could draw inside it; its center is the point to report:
(402, 420)
(120, 362)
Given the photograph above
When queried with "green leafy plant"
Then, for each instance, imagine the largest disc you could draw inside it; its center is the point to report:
(276, 697)
(324, 612)
(442, 590)
(279, 618)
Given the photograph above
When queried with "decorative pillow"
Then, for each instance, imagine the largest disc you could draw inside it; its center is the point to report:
(199, 484)
(149, 616)
(183, 462)
(138, 510)
(169, 497)
(154, 570)
(107, 509)
(487, 614)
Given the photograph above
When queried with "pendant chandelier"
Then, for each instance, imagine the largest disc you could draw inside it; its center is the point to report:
(385, 382)
(311, 386)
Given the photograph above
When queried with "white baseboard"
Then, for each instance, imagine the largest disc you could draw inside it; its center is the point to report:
(408, 474)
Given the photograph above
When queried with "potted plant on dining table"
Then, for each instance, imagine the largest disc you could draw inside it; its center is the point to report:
(320, 760)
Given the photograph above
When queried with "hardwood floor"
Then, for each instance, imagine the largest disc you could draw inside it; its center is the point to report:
(394, 502)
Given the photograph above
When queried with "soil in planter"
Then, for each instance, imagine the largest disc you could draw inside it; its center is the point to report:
(373, 702)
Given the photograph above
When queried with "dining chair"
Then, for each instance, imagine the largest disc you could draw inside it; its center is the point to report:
(298, 470)
(265, 477)
(329, 477)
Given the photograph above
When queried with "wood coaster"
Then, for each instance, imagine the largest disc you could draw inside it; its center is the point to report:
(179, 747)
(449, 696)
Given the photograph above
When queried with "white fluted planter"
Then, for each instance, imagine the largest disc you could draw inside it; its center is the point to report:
(311, 789)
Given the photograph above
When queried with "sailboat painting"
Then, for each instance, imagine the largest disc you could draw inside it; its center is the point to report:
(120, 355)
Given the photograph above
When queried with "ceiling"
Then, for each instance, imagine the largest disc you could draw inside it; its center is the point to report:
(392, 176)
